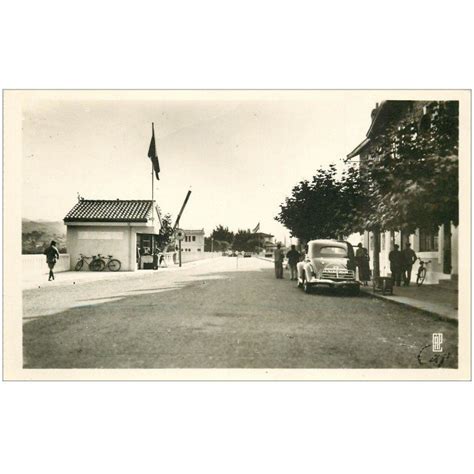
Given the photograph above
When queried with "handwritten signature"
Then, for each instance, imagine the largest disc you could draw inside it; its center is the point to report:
(427, 357)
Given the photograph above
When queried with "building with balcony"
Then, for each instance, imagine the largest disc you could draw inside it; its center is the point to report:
(439, 246)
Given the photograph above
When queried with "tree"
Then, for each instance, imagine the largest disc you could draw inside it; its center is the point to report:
(325, 207)
(244, 240)
(216, 245)
(166, 232)
(253, 245)
(221, 233)
(413, 174)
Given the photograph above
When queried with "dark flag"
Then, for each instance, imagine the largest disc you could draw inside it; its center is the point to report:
(152, 153)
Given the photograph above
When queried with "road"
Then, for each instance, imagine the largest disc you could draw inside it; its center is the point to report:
(220, 313)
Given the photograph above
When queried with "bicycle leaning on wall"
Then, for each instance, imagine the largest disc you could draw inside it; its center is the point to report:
(111, 263)
(98, 263)
(420, 276)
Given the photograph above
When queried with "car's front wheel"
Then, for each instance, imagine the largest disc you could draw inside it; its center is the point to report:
(306, 286)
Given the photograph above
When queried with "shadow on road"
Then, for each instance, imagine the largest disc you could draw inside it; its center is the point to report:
(243, 319)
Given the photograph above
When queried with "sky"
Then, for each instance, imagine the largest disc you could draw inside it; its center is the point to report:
(240, 155)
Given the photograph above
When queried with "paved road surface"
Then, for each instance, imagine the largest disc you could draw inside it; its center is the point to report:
(215, 315)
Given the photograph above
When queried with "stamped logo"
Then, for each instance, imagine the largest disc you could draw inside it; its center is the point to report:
(437, 342)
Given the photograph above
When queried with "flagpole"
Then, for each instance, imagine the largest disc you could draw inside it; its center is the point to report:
(152, 188)
(152, 197)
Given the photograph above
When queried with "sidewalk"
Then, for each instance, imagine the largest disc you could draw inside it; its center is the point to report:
(72, 278)
(433, 299)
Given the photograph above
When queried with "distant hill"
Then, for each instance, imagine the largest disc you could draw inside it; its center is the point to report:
(36, 235)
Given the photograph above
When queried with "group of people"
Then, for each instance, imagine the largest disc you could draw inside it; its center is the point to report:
(293, 257)
(401, 264)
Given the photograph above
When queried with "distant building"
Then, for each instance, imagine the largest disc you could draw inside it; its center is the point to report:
(193, 241)
(441, 246)
(125, 229)
(266, 243)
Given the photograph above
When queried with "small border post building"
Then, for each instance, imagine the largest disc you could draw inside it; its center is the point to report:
(124, 229)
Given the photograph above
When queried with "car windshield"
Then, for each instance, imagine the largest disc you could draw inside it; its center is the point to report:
(335, 252)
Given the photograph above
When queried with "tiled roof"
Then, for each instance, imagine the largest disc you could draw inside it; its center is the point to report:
(92, 210)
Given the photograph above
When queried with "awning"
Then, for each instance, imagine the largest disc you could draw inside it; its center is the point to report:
(359, 148)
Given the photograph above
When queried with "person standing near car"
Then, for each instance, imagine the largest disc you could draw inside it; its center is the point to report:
(279, 255)
(52, 256)
(293, 257)
(362, 262)
(409, 258)
(396, 264)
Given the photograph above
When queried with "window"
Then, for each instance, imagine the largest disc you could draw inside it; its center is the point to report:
(333, 252)
(428, 241)
(383, 241)
(194, 238)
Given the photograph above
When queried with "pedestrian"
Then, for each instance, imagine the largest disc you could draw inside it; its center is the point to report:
(409, 258)
(293, 257)
(362, 262)
(278, 258)
(52, 256)
(396, 264)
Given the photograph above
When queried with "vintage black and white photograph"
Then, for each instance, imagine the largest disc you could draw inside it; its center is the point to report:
(239, 230)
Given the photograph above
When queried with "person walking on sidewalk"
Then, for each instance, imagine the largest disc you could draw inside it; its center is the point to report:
(409, 258)
(396, 264)
(52, 256)
(279, 255)
(293, 257)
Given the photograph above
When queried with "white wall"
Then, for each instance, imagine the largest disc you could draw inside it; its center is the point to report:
(187, 257)
(36, 264)
(106, 240)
